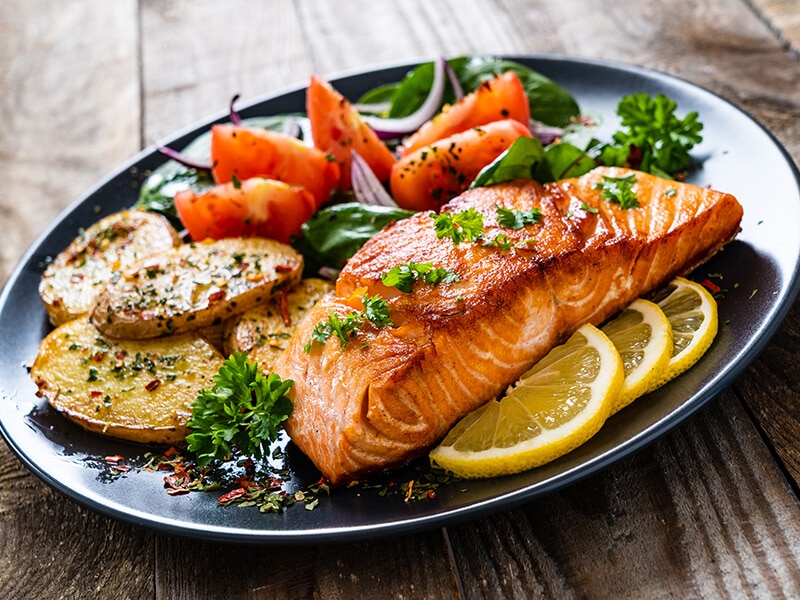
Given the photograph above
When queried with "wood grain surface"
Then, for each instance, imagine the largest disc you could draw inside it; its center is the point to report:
(708, 511)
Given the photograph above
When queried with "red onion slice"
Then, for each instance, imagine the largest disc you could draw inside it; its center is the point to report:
(185, 161)
(232, 114)
(391, 128)
(366, 187)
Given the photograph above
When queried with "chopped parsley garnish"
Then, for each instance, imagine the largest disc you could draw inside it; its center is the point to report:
(464, 225)
(376, 311)
(512, 218)
(244, 409)
(619, 190)
(403, 277)
(589, 209)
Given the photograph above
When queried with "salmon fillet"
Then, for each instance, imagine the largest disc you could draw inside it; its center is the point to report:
(394, 392)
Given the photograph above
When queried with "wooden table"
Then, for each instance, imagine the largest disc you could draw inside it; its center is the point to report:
(710, 510)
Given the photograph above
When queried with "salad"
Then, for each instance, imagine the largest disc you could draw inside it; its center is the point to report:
(339, 173)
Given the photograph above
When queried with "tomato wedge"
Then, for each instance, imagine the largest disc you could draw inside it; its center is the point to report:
(430, 176)
(500, 98)
(337, 129)
(254, 207)
(246, 152)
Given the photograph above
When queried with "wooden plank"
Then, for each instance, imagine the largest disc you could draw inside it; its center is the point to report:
(783, 16)
(694, 516)
(64, 127)
(53, 548)
(370, 33)
(197, 55)
(403, 567)
(770, 389)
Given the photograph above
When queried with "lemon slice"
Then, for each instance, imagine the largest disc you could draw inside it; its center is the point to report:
(692, 313)
(557, 405)
(642, 335)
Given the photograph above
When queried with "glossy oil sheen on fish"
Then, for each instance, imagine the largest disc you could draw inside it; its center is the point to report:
(393, 392)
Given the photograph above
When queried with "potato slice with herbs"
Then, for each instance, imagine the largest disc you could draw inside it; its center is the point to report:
(194, 286)
(264, 331)
(137, 390)
(70, 284)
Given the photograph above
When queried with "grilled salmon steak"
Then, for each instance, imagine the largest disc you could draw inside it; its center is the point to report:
(392, 392)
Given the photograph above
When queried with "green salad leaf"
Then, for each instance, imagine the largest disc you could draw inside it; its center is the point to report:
(333, 234)
(526, 158)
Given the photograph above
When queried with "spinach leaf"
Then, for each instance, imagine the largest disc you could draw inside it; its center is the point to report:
(333, 234)
(526, 158)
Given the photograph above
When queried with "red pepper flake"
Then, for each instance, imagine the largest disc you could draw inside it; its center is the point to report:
(114, 459)
(244, 481)
(232, 495)
(123, 468)
(177, 483)
(95, 393)
(287, 320)
(153, 385)
(217, 296)
(284, 268)
(710, 286)
(172, 451)
(99, 356)
(431, 494)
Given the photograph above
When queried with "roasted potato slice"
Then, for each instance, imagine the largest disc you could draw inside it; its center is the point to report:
(71, 283)
(194, 286)
(264, 331)
(137, 390)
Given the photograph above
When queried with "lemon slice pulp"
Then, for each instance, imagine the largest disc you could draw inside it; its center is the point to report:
(642, 335)
(556, 406)
(692, 313)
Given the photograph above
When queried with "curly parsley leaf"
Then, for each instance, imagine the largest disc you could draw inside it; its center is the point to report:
(403, 277)
(511, 218)
(460, 226)
(244, 409)
(619, 190)
(376, 311)
(655, 140)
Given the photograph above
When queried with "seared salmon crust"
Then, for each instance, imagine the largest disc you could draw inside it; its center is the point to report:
(393, 392)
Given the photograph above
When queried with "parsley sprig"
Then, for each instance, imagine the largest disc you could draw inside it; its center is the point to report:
(619, 190)
(376, 311)
(244, 409)
(655, 140)
(403, 277)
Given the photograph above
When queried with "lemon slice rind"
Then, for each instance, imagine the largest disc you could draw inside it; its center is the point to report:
(692, 313)
(643, 336)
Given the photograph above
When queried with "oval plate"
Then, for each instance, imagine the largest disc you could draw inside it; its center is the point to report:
(759, 271)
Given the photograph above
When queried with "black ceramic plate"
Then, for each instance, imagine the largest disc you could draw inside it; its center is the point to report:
(759, 269)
